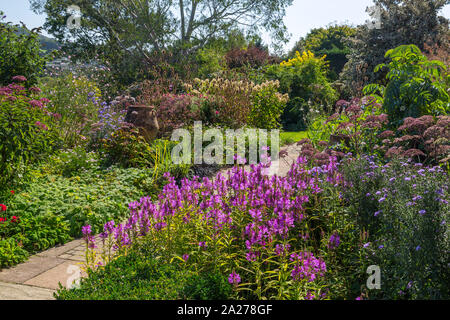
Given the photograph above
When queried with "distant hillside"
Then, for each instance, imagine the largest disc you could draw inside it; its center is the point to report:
(48, 44)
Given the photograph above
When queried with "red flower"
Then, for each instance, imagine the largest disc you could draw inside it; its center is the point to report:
(2, 219)
(14, 219)
(12, 191)
(3, 207)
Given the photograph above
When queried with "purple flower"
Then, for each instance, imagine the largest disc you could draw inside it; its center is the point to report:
(422, 212)
(86, 230)
(377, 213)
(307, 267)
(185, 257)
(334, 241)
(234, 278)
(202, 244)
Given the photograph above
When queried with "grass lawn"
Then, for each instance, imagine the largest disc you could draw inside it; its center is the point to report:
(292, 137)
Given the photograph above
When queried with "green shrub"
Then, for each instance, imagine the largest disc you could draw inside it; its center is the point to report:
(93, 197)
(76, 100)
(126, 148)
(211, 61)
(27, 131)
(71, 162)
(20, 53)
(267, 106)
(138, 276)
(415, 85)
(36, 233)
(304, 78)
(11, 253)
(207, 286)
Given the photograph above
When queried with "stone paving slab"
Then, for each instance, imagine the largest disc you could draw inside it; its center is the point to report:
(69, 270)
(12, 291)
(45, 271)
(29, 269)
(59, 250)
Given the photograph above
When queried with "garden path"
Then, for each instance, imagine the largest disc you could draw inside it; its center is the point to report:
(39, 277)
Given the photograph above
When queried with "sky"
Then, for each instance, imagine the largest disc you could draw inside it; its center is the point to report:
(301, 17)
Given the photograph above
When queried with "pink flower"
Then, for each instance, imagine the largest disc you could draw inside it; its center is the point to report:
(36, 103)
(19, 79)
(44, 100)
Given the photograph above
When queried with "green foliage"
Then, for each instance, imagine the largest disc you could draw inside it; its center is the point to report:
(71, 162)
(27, 132)
(267, 107)
(11, 253)
(416, 86)
(292, 137)
(93, 197)
(75, 98)
(331, 42)
(207, 286)
(139, 276)
(398, 22)
(126, 148)
(20, 54)
(211, 61)
(304, 79)
(36, 233)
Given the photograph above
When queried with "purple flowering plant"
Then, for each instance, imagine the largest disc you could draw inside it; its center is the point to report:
(245, 225)
(403, 206)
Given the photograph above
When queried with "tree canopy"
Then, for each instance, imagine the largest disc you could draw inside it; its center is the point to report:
(329, 41)
(401, 22)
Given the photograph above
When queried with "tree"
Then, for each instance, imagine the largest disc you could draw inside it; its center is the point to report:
(329, 41)
(416, 86)
(304, 79)
(401, 22)
(20, 53)
(120, 29)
